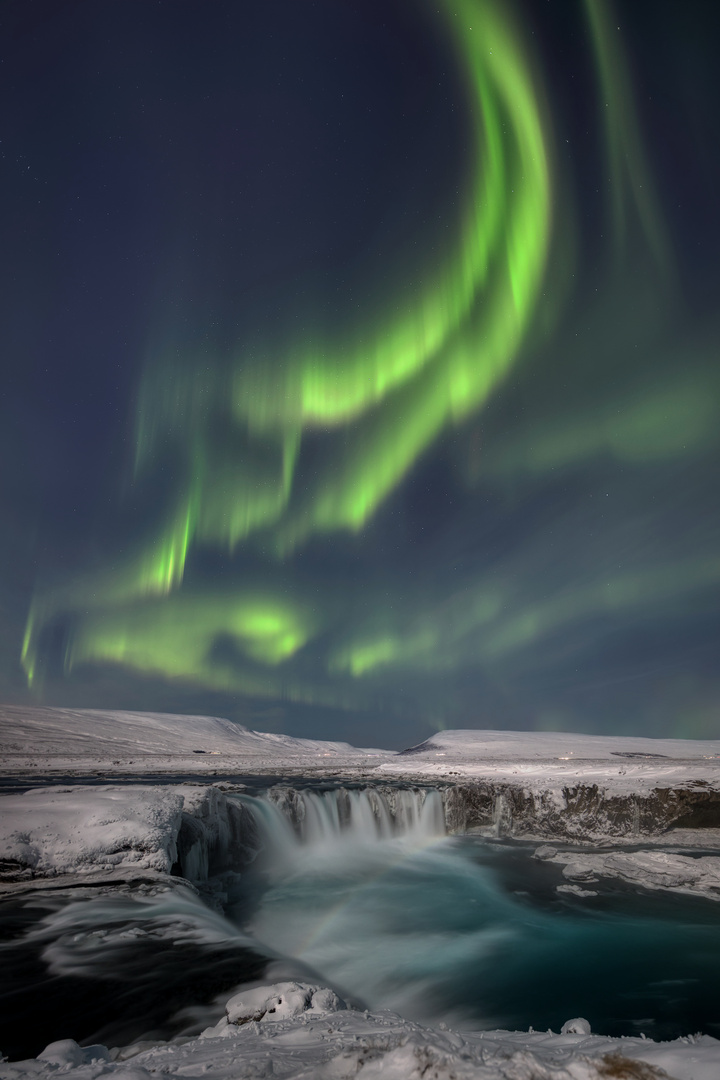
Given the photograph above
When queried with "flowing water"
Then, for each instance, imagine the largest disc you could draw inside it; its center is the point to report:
(363, 891)
(473, 932)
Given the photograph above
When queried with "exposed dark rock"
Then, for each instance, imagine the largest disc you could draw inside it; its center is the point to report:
(582, 811)
(420, 748)
(216, 835)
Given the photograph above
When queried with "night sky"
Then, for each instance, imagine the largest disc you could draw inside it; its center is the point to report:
(361, 363)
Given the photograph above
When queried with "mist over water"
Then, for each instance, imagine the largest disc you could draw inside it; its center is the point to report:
(114, 966)
(363, 891)
(472, 932)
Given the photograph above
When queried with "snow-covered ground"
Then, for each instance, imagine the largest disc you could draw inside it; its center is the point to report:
(483, 746)
(535, 759)
(294, 1030)
(75, 742)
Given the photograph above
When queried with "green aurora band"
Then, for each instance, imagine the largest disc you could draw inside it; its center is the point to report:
(408, 377)
(379, 398)
(391, 393)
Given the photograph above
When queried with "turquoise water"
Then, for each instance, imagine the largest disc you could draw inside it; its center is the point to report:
(472, 932)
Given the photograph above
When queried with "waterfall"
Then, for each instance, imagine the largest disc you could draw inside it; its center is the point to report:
(635, 818)
(502, 816)
(292, 821)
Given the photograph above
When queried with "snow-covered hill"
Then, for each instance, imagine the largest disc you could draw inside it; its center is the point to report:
(77, 740)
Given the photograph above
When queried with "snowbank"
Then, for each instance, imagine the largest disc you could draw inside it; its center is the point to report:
(315, 1038)
(59, 830)
(186, 829)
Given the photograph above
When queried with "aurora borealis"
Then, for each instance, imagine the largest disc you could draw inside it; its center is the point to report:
(363, 371)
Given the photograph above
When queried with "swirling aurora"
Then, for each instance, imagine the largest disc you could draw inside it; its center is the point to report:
(445, 504)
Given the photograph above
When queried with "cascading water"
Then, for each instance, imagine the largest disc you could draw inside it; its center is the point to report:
(366, 891)
(305, 824)
(114, 966)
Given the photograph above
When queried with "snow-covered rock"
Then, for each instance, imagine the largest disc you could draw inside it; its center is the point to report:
(577, 1026)
(669, 871)
(59, 830)
(69, 1053)
(270, 1004)
(216, 833)
(550, 806)
(190, 830)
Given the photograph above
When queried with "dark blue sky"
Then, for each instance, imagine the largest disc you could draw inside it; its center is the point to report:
(199, 201)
